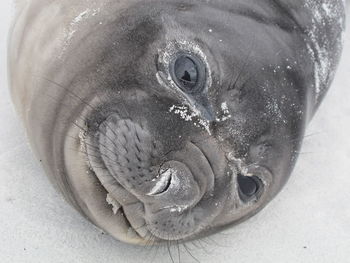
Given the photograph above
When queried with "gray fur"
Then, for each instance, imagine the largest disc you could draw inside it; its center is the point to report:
(91, 81)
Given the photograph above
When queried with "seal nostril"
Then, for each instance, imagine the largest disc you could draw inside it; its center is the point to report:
(163, 183)
(167, 185)
(248, 186)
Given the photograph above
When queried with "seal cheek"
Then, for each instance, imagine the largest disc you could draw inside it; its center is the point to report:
(129, 153)
(260, 151)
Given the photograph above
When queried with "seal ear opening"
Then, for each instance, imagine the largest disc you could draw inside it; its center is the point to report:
(249, 187)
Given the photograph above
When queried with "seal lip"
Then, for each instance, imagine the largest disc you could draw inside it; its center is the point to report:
(201, 70)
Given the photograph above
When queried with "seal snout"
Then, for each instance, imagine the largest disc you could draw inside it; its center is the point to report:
(178, 194)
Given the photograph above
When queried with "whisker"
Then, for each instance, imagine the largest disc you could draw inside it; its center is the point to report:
(186, 248)
(169, 251)
(305, 153)
(178, 250)
(69, 91)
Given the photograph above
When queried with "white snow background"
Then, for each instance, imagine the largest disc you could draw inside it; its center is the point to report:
(309, 221)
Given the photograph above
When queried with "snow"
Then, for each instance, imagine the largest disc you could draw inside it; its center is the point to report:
(114, 203)
(192, 115)
(318, 50)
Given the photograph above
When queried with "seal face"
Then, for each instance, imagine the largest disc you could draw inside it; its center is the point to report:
(195, 149)
(184, 118)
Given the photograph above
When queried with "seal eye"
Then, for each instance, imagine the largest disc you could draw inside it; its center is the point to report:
(188, 73)
(248, 186)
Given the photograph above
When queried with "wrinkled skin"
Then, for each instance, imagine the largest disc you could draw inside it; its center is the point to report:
(134, 153)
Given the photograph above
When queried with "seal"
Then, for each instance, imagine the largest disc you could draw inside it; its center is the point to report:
(170, 120)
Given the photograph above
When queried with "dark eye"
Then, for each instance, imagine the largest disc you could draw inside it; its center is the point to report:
(248, 186)
(188, 72)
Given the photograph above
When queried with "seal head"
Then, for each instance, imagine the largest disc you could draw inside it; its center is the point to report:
(197, 130)
(170, 120)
